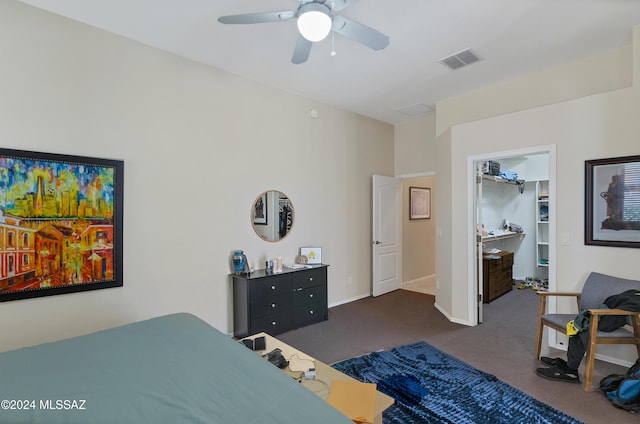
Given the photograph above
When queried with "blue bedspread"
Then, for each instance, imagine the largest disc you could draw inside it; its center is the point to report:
(170, 369)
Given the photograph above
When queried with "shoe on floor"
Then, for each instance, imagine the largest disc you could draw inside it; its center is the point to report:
(559, 374)
(552, 362)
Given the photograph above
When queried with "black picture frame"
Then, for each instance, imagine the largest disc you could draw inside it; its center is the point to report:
(260, 210)
(612, 202)
(61, 227)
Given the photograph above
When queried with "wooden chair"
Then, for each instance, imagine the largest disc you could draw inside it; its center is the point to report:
(596, 289)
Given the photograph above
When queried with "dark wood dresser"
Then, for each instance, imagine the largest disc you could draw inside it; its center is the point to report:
(276, 303)
(496, 275)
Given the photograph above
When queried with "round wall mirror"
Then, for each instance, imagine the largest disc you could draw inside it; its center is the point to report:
(272, 215)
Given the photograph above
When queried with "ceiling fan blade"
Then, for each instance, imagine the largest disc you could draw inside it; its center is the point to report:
(363, 34)
(341, 4)
(301, 51)
(258, 18)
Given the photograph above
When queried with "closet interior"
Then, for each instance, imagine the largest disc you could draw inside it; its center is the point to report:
(515, 225)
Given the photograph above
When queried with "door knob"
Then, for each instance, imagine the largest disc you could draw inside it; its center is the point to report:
(377, 242)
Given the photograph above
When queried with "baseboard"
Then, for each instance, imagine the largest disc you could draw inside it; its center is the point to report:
(427, 279)
(613, 360)
(604, 358)
(352, 299)
(449, 317)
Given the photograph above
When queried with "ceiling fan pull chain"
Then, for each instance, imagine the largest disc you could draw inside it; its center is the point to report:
(333, 44)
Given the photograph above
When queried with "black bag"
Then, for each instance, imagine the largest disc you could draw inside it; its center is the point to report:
(623, 390)
(276, 358)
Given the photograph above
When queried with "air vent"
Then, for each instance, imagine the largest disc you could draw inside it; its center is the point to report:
(460, 59)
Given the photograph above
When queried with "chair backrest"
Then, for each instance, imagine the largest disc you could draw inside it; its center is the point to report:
(600, 286)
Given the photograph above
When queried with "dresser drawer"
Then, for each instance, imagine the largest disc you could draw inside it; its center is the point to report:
(507, 260)
(271, 305)
(309, 278)
(492, 263)
(268, 287)
(273, 324)
(309, 314)
(311, 295)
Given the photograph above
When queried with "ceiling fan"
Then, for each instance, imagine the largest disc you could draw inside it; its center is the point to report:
(315, 21)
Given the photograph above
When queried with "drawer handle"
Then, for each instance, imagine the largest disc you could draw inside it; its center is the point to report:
(273, 323)
(273, 305)
(311, 295)
(310, 278)
(273, 287)
(311, 312)
(298, 289)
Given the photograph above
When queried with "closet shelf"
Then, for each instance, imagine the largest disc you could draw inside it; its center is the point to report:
(489, 239)
(495, 179)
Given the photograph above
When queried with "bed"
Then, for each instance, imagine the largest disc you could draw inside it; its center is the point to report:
(171, 369)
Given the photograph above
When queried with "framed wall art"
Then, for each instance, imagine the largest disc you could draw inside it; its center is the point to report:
(419, 203)
(60, 224)
(260, 210)
(612, 202)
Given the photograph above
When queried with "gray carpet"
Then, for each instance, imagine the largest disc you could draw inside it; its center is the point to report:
(502, 345)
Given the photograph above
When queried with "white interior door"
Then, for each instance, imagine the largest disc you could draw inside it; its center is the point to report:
(387, 234)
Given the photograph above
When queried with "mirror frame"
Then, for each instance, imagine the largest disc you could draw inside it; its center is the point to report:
(261, 219)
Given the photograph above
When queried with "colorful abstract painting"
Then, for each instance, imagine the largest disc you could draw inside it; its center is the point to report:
(60, 224)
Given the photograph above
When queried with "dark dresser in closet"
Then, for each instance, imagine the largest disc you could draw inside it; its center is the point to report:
(497, 275)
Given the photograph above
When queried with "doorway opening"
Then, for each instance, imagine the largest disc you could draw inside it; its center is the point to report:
(511, 224)
(403, 251)
(419, 235)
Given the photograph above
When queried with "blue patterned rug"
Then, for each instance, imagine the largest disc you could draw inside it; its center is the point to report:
(430, 386)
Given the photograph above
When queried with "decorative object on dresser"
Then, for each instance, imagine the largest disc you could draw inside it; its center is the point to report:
(313, 254)
(240, 263)
(276, 303)
(497, 278)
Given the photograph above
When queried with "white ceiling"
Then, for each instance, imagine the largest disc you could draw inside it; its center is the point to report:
(512, 37)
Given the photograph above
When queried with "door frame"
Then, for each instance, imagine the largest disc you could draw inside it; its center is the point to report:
(473, 288)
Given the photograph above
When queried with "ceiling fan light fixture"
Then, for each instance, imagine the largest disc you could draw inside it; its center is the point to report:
(314, 21)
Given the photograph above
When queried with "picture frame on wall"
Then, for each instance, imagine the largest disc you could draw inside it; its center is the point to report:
(61, 224)
(612, 202)
(260, 210)
(419, 203)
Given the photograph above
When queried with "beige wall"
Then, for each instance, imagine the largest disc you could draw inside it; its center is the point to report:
(598, 74)
(415, 160)
(199, 145)
(414, 142)
(418, 235)
(595, 126)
